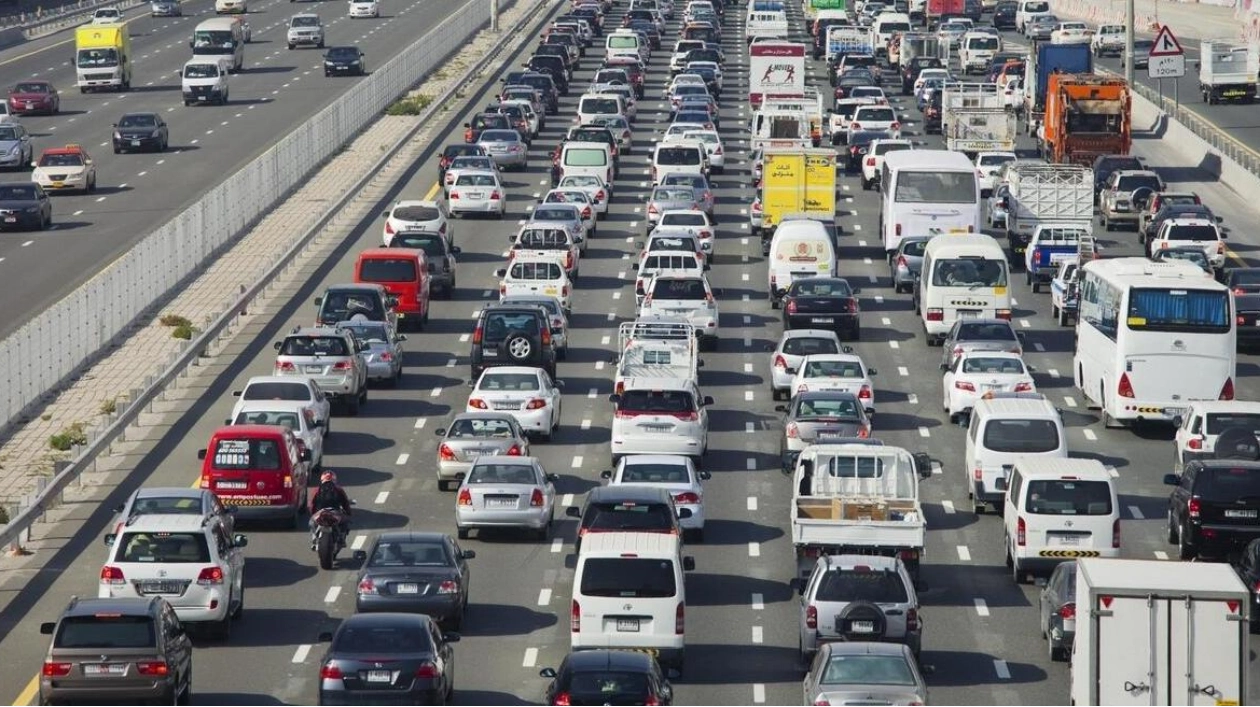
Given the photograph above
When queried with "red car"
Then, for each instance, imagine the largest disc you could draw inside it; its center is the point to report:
(31, 97)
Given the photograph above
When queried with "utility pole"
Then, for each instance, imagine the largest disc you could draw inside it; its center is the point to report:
(1129, 19)
(494, 20)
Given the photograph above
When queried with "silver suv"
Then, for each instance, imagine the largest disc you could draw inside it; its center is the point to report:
(331, 357)
(859, 598)
(306, 29)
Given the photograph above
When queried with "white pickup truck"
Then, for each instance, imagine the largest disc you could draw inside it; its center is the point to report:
(1064, 295)
(656, 349)
(1108, 40)
(1050, 245)
(858, 498)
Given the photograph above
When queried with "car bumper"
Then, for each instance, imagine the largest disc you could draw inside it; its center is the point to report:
(354, 69)
(452, 470)
(832, 322)
(1044, 565)
(530, 420)
(656, 444)
(22, 220)
(903, 276)
(330, 385)
(260, 513)
(76, 185)
(696, 521)
(87, 690)
(363, 12)
(205, 606)
(718, 161)
(23, 109)
(380, 370)
(305, 41)
(510, 159)
(779, 379)
(532, 518)
(144, 143)
(1222, 536)
(331, 692)
(476, 206)
(203, 96)
(441, 608)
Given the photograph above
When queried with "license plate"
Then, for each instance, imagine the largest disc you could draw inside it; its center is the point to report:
(409, 588)
(500, 503)
(135, 143)
(232, 485)
(105, 669)
(1239, 513)
(1173, 412)
(314, 369)
(1060, 257)
(1067, 540)
(13, 219)
(30, 106)
(862, 627)
(159, 587)
(550, 290)
(656, 428)
(822, 320)
(476, 195)
(968, 314)
(203, 98)
(631, 625)
(379, 676)
(58, 184)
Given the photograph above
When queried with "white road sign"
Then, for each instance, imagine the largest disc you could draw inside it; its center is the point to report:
(1172, 66)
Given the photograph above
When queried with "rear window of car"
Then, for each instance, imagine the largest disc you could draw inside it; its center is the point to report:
(416, 213)
(808, 345)
(1021, 436)
(243, 454)
(673, 156)
(502, 474)
(679, 289)
(580, 157)
(410, 638)
(850, 585)
(1068, 497)
(544, 270)
(480, 429)
(628, 577)
(878, 115)
(284, 418)
(679, 261)
(433, 245)
(686, 218)
(1192, 233)
(276, 391)
(548, 238)
(833, 369)
(985, 332)
(499, 324)
(992, 364)
(162, 548)
(1218, 422)
(493, 380)
(665, 402)
(105, 632)
(594, 687)
(654, 473)
(388, 270)
(599, 105)
(500, 136)
(1228, 485)
(1137, 181)
(476, 180)
(314, 346)
(913, 248)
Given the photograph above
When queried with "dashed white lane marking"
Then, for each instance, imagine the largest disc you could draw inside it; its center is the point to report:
(436, 392)
(531, 658)
(748, 368)
(749, 427)
(885, 321)
(964, 554)
(1003, 671)
(925, 432)
(752, 503)
(420, 423)
(592, 393)
(758, 635)
(759, 693)
(450, 363)
(28, 243)
(747, 341)
(77, 212)
(463, 338)
(1112, 470)
(359, 542)
(1041, 348)
(566, 500)
(544, 596)
(1025, 323)
(748, 396)
(903, 371)
(599, 365)
(758, 601)
(299, 655)
(1161, 555)
(1053, 372)
(1136, 513)
(1089, 435)
(751, 464)
(616, 295)
(99, 199)
(143, 173)
(586, 424)
(382, 497)
(333, 593)
(981, 607)
(1069, 401)
(754, 549)
(557, 545)
(577, 462)
(402, 458)
(948, 506)
(894, 345)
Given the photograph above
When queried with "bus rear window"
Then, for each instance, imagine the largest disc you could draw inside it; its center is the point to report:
(1152, 309)
(935, 188)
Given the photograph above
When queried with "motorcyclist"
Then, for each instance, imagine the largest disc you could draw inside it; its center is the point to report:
(330, 496)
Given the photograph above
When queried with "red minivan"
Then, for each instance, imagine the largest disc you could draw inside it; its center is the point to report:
(263, 470)
(404, 272)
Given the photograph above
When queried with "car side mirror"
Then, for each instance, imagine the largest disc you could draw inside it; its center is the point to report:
(708, 400)
(1000, 484)
(1224, 235)
(227, 420)
(1020, 335)
(944, 366)
(468, 554)
(790, 371)
(689, 563)
(606, 474)
(797, 585)
(109, 539)
(304, 455)
(1178, 421)
(501, 272)
(360, 555)
(927, 669)
(324, 636)
(240, 540)
(1040, 582)
(277, 345)
(780, 408)
(201, 454)
(614, 398)
(872, 372)
(467, 125)
(922, 464)
(573, 512)
(547, 673)
(1172, 480)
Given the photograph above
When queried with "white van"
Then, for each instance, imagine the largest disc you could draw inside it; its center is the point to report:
(629, 593)
(963, 276)
(623, 43)
(680, 157)
(587, 158)
(591, 105)
(800, 248)
(221, 36)
(766, 24)
(1028, 9)
(1057, 510)
(926, 193)
(976, 51)
(205, 80)
(884, 27)
(1005, 427)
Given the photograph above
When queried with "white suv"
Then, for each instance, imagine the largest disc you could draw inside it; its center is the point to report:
(660, 416)
(1195, 232)
(188, 560)
(685, 295)
(874, 160)
(879, 118)
(305, 29)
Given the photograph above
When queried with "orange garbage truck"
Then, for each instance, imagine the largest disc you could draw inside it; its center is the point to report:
(1087, 115)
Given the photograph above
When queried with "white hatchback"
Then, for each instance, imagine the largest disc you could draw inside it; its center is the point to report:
(527, 394)
(976, 373)
(842, 371)
(660, 416)
(672, 472)
(592, 185)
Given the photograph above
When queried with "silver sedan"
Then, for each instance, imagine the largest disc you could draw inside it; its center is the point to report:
(865, 673)
(506, 492)
(384, 354)
(669, 198)
(472, 435)
(506, 148)
(698, 182)
(819, 417)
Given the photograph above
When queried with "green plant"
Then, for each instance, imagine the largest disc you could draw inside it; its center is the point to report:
(174, 320)
(410, 105)
(109, 407)
(183, 331)
(63, 441)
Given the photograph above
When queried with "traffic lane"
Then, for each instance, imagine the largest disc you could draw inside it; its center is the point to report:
(210, 143)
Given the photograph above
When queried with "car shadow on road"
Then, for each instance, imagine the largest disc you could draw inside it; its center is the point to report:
(263, 572)
(269, 70)
(366, 519)
(237, 698)
(718, 531)
(342, 442)
(959, 585)
(963, 668)
(504, 620)
(486, 697)
(738, 663)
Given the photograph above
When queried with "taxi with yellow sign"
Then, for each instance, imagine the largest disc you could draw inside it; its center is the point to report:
(68, 168)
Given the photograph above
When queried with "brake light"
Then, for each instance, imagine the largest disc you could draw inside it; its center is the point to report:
(536, 499)
(514, 451)
(495, 195)
(1227, 390)
(756, 206)
(210, 575)
(454, 195)
(1239, 291)
(449, 586)
(977, 473)
(897, 230)
(586, 212)
(112, 575)
(964, 385)
(503, 289)
(687, 497)
(687, 416)
(791, 307)
(367, 586)
(389, 228)
(545, 337)
(1194, 508)
(1067, 612)
(599, 195)
(427, 671)
(285, 367)
(870, 161)
(562, 698)
(468, 135)
(1024, 387)
(902, 262)
(864, 432)
(1021, 533)
(935, 314)
(1125, 388)
(912, 618)
(478, 403)
(465, 498)
(822, 700)
(779, 361)
(1195, 443)
(56, 670)
(445, 453)
(575, 620)
(855, 125)
(679, 618)
(477, 333)
(865, 393)
(896, 125)
(792, 431)
(1036, 254)
(1003, 314)
(853, 150)
(811, 617)
(1115, 533)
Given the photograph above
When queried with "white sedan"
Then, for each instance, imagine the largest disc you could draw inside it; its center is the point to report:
(364, 8)
(672, 472)
(842, 371)
(592, 185)
(988, 164)
(527, 394)
(975, 373)
(794, 346)
(1071, 33)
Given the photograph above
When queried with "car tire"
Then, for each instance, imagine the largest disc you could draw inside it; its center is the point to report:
(117, 150)
(461, 533)
(1172, 530)
(1185, 551)
(239, 611)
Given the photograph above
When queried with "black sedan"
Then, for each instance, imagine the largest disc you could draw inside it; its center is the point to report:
(822, 303)
(394, 657)
(1243, 281)
(603, 677)
(1247, 309)
(424, 573)
(141, 131)
(858, 145)
(344, 61)
(24, 205)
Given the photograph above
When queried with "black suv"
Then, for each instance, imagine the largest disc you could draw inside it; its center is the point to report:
(633, 509)
(122, 651)
(1214, 508)
(512, 335)
(1004, 15)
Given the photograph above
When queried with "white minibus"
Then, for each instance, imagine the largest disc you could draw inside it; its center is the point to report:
(926, 193)
(964, 276)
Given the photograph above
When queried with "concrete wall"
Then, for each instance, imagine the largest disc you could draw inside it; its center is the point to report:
(1193, 150)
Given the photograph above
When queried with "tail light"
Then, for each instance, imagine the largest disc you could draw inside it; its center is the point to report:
(545, 337)
(977, 473)
(864, 432)
(600, 195)
(330, 672)
(717, 150)
(1239, 291)
(112, 575)
(935, 314)
(367, 586)
(568, 260)
(495, 195)
(387, 356)
(514, 451)
(285, 367)
(449, 586)
(468, 135)
(210, 575)
(427, 671)
(1227, 390)
(792, 431)
(853, 150)
(56, 670)
(562, 698)
(478, 403)
(503, 290)
(389, 228)
(822, 700)
(620, 388)
(445, 453)
(687, 416)
(855, 125)
(465, 498)
(1125, 388)
(1036, 254)
(536, 404)
(586, 212)
(1021, 533)
(779, 361)
(756, 206)
(341, 366)
(864, 393)
(477, 333)
(897, 230)
(902, 262)
(896, 125)
(1115, 533)
(536, 499)
(1003, 314)
(964, 385)
(690, 497)
(870, 161)
(1220, 248)
(1024, 387)
(1195, 443)
(912, 618)
(652, 209)
(811, 617)
(1067, 612)
(851, 306)
(1194, 508)
(575, 619)
(680, 618)
(791, 307)
(454, 195)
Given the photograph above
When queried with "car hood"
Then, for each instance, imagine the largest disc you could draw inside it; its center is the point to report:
(6, 145)
(343, 59)
(61, 170)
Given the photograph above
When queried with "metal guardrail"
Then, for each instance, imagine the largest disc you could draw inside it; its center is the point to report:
(456, 31)
(40, 22)
(1219, 140)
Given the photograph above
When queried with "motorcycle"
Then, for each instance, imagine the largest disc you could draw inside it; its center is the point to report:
(328, 538)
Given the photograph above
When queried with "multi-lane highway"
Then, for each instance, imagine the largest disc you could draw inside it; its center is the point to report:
(278, 90)
(981, 632)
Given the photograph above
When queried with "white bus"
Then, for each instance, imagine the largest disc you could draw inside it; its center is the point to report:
(925, 193)
(1151, 338)
(963, 276)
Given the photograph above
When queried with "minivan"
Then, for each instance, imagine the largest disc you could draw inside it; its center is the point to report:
(263, 470)
(679, 157)
(629, 592)
(404, 273)
(1005, 427)
(593, 158)
(800, 248)
(624, 43)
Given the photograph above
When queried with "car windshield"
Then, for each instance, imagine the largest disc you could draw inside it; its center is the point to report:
(821, 288)
(162, 548)
(1016, 436)
(343, 53)
(628, 577)
(827, 409)
(105, 632)
(314, 346)
(478, 428)
(406, 637)
(201, 71)
(993, 364)
(305, 22)
(522, 382)
(138, 121)
(861, 584)
(62, 159)
(867, 670)
(284, 418)
(18, 192)
(1192, 255)
(809, 345)
(1069, 497)
(502, 474)
(409, 553)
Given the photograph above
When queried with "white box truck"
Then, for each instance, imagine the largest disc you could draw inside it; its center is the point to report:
(1150, 632)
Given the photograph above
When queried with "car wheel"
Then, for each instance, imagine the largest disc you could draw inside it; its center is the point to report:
(462, 533)
(1185, 551)
(1172, 529)
(239, 611)
(518, 347)
(117, 150)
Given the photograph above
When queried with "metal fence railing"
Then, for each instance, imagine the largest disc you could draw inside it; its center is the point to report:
(1219, 140)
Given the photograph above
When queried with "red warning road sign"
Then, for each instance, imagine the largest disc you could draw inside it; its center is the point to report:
(1166, 44)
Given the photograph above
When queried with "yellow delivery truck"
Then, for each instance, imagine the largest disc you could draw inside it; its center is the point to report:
(798, 181)
(102, 57)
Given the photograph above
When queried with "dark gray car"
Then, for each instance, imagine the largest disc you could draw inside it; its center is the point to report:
(819, 417)
(24, 205)
(438, 253)
(907, 262)
(422, 573)
(980, 335)
(1058, 610)
(669, 198)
